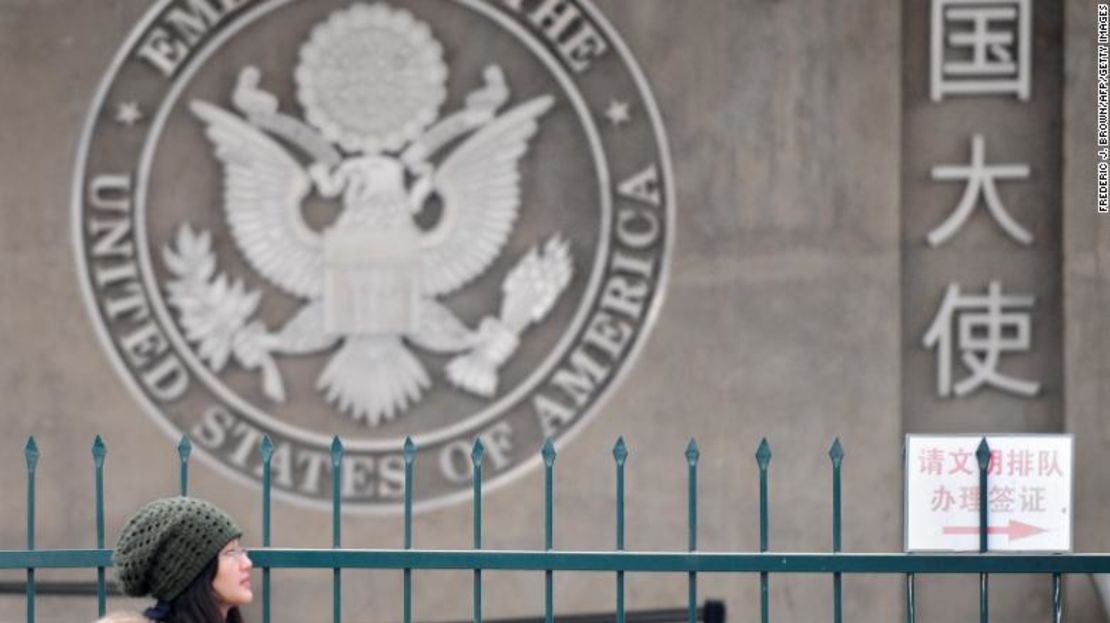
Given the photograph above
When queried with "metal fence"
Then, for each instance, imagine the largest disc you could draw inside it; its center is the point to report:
(618, 561)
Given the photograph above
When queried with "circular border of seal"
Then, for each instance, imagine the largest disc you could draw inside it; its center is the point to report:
(519, 468)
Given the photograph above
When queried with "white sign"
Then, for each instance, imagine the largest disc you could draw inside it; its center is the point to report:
(1029, 493)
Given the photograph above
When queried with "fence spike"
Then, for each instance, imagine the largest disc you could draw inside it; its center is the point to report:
(620, 451)
(31, 452)
(266, 448)
(836, 452)
(983, 454)
(548, 452)
(99, 451)
(763, 454)
(409, 451)
(184, 448)
(692, 452)
(478, 452)
(336, 451)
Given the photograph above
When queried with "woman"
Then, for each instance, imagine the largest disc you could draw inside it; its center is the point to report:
(185, 553)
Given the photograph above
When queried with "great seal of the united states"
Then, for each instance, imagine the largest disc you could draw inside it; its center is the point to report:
(444, 221)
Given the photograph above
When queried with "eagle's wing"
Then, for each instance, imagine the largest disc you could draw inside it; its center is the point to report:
(263, 190)
(480, 188)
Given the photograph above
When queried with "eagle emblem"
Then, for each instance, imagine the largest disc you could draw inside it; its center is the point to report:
(371, 80)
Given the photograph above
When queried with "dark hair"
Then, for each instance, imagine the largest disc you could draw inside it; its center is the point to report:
(197, 603)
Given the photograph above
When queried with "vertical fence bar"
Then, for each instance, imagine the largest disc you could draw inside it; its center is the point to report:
(548, 454)
(911, 598)
(983, 456)
(184, 448)
(620, 455)
(1057, 599)
(763, 459)
(336, 478)
(266, 448)
(692, 455)
(31, 453)
(836, 454)
(476, 457)
(911, 585)
(410, 455)
(98, 453)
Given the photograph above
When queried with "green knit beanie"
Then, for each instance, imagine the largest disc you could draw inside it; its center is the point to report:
(167, 543)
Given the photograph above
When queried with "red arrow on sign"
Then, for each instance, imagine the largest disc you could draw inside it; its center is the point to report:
(1015, 530)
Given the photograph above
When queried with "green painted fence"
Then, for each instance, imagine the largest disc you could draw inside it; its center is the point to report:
(618, 561)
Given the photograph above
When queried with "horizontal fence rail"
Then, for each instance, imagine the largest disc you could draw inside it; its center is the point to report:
(711, 612)
(618, 561)
(638, 562)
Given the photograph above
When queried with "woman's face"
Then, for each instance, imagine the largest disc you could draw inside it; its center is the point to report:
(232, 584)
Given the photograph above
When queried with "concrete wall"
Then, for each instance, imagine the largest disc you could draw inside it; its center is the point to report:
(1086, 237)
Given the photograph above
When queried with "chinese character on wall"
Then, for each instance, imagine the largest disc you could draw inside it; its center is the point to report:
(988, 326)
(981, 47)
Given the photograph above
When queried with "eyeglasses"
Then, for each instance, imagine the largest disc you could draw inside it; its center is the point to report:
(237, 553)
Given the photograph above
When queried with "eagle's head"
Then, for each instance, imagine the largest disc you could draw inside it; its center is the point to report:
(375, 189)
